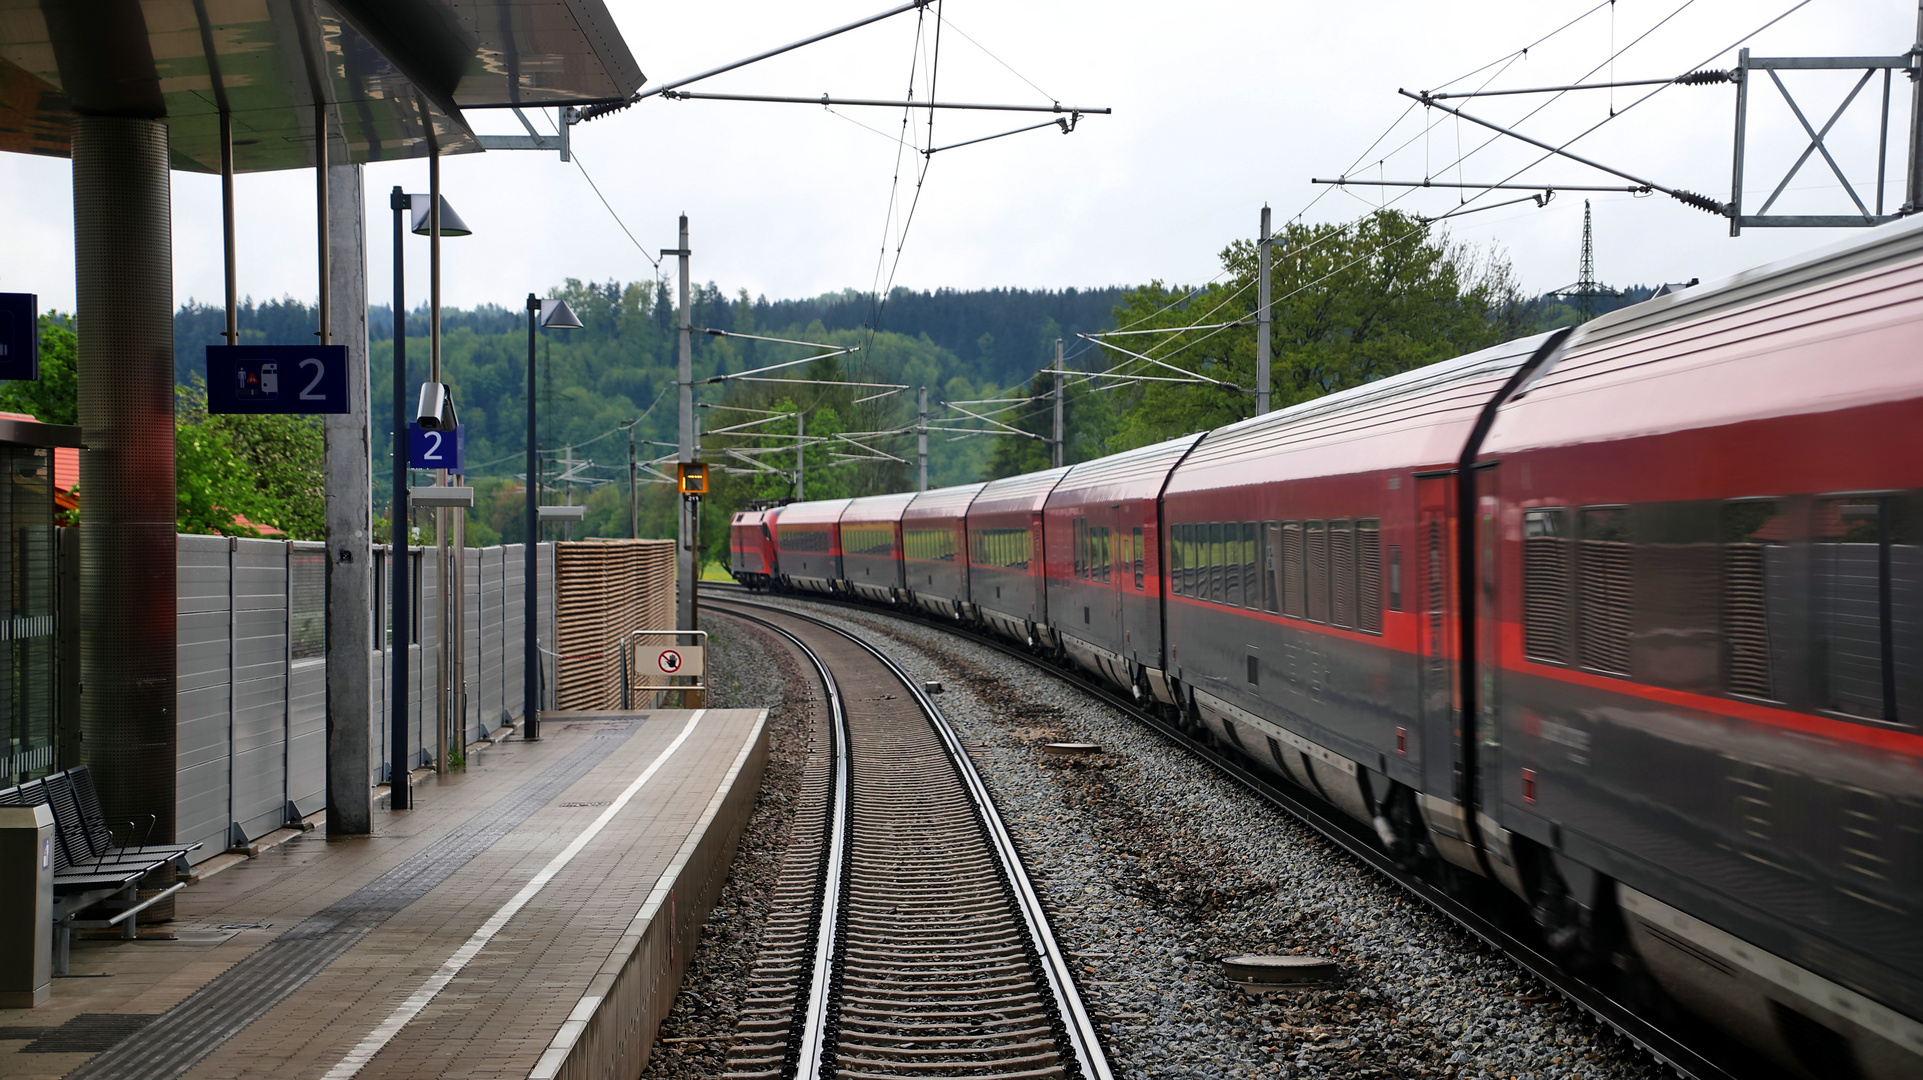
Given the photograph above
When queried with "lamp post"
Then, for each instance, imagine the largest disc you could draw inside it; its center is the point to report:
(399, 604)
(556, 314)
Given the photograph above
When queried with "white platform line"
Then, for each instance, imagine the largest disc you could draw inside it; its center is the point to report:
(383, 1034)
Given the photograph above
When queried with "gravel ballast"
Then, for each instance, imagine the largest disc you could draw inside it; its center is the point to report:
(746, 669)
(1155, 868)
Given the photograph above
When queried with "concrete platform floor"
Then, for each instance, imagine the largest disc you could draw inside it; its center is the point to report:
(530, 918)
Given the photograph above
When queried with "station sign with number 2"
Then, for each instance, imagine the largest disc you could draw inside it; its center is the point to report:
(439, 449)
(300, 379)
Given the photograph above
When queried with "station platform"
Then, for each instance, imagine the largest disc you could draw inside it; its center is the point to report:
(531, 918)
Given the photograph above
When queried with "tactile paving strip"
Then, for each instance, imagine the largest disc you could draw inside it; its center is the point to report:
(191, 1030)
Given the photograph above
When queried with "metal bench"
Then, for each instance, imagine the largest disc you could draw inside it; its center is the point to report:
(88, 869)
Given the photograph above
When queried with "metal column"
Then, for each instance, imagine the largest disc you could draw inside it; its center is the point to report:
(399, 609)
(350, 526)
(123, 270)
(921, 439)
(1262, 317)
(1061, 446)
(687, 559)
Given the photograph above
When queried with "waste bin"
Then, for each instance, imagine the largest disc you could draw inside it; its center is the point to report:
(26, 906)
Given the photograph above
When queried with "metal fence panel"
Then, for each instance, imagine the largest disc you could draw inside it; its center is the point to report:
(306, 779)
(488, 684)
(260, 687)
(203, 692)
(513, 611)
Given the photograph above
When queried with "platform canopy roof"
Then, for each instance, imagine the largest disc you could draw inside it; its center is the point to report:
(394, 73)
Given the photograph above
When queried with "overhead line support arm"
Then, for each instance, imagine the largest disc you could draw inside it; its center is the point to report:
(1690, 198)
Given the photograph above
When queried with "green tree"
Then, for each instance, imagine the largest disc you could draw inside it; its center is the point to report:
(1351, 304)
(54, 397)
(267, 469)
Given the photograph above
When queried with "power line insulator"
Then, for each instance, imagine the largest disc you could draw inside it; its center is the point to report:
(1701, 202)
(1706, 78)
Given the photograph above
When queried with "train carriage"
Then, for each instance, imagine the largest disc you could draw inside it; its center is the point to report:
(871, 546)
(1701, 615)
(1104, 582)
(808, 535)
(751, 547)
(1311, 614)
(934, 537)
(1005, 556)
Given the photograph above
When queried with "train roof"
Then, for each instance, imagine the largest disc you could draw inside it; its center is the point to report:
(750, 517)
(1027, 492)
(819, 512)
(1832, 329)
(1131, 474)
(1416, 419)
(877, 507)
(945, 503)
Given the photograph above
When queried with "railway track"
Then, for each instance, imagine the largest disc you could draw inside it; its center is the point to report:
(907, 939)
(1692, 1049)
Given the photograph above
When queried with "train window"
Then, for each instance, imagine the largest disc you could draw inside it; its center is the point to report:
(1868, 568)
(1341, 574)
(1217, 588)
(1101, 553)
(1545, 585)
(874, 540)
(1368, 573)
(1603, 570)
(1395, 577)
(1191, 559)
(1753, 560)
(1251, 567)
(1231, 570)
(1315, 537)
(1270, 539)
(1135, 549)
(1177, 559)
(1292, 569)
(929, 545)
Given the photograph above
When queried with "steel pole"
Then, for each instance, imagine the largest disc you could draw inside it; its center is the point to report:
(688, 563)
(399, 613)
(921, 438)
(320, 213)
(1061, 447)
(1916, 121)
(801, 454)
(232, 333)
(531, 571)
(1262, 316)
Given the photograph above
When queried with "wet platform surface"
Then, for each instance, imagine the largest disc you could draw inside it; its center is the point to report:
(530, 918)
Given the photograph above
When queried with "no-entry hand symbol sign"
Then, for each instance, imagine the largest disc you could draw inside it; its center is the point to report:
(669, 660)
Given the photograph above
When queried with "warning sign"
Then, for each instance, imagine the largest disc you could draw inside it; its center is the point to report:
(671, 660)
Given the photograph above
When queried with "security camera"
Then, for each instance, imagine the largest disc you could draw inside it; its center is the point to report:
(436, 409)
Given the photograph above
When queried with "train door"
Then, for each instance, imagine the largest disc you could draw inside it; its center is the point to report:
(1440, 706)
(1488, 644)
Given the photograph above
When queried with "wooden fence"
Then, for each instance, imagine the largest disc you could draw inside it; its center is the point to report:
(606, 590)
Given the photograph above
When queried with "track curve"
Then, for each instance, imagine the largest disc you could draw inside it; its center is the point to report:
(925, 950)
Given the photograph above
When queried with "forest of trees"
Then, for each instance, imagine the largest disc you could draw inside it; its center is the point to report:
(1351, 304)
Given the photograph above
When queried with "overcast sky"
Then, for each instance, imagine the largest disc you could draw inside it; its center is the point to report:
(1218, 107)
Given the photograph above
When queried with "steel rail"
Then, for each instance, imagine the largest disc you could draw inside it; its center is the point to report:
(1079, 1027)
(1723, 1060)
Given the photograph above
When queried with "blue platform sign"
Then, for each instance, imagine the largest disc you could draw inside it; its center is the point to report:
(307, 379)
(436, 449)
(19, 336)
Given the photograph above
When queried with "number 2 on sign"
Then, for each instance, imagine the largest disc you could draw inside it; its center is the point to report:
(433, 452)
(319, 370)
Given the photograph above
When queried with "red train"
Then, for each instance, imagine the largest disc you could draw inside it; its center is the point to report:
(1626, 621)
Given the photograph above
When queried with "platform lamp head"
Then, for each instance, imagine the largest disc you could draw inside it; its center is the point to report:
(451, 223)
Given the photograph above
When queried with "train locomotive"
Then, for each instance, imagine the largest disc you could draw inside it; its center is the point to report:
(1625, 621)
